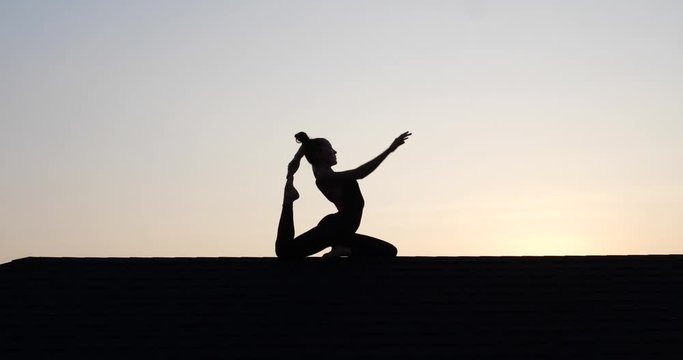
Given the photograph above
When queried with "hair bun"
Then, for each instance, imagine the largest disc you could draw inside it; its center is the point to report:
(301, 137)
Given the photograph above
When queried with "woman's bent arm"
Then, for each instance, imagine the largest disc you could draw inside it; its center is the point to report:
(293, 165)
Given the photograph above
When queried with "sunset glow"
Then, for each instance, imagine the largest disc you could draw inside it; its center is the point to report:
(144, 128)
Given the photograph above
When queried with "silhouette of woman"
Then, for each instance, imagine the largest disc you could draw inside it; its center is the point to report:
(336, 230)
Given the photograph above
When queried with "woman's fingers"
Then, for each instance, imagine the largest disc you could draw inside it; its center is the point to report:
(400, 140)
(403, 137)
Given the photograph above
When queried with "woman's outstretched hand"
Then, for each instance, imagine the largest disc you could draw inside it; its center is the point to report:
(400, 140)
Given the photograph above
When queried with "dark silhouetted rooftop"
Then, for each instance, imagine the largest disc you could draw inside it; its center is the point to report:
(408, 307)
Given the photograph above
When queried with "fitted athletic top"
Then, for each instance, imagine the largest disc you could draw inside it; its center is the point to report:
(346, 196)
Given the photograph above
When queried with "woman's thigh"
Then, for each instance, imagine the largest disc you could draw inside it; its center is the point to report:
(368, 246)
(340, 230)
(314, 240)
(333, 230)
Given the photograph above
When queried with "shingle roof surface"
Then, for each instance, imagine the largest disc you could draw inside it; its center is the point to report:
(419, 307)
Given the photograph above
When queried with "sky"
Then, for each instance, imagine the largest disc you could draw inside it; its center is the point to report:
(164, 128)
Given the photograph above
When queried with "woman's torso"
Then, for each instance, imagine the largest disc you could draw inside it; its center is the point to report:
(345, 195)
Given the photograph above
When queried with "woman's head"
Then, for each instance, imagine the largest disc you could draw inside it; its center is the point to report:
(318, 151)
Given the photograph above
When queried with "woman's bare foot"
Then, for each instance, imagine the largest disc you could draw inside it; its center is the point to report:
(290, 192)
(338, 251)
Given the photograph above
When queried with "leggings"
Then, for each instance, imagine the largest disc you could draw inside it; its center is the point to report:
(332, 230)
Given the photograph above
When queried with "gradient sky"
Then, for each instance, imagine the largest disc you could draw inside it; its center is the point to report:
(163, 128)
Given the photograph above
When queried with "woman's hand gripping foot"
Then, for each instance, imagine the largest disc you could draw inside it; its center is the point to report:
(290, 192)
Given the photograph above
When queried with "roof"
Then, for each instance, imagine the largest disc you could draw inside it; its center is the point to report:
(407, 307)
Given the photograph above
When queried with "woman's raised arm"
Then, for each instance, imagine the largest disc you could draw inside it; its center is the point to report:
(370, 166)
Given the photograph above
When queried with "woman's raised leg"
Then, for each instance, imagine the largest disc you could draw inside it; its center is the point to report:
(308, 243)
(285, 228)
